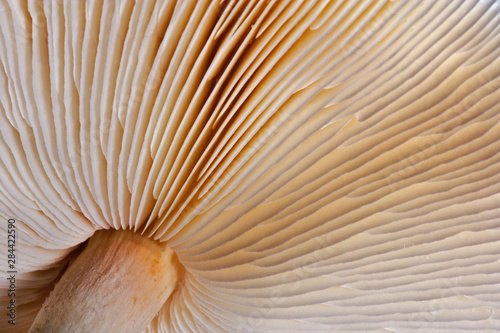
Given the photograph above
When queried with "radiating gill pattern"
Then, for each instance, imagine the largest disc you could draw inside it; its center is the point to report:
(317, 166)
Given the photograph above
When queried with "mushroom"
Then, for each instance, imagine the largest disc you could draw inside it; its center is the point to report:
(250, 166)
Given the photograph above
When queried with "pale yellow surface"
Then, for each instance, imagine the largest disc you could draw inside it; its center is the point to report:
(319, 166)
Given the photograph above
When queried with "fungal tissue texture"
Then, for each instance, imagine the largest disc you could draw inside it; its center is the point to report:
(315, 165)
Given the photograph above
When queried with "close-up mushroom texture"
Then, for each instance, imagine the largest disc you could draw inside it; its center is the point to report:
(250, 166)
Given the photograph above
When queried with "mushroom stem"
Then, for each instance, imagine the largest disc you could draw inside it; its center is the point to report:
(117, 284)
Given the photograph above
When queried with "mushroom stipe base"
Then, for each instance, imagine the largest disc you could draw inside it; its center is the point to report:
(117, 284)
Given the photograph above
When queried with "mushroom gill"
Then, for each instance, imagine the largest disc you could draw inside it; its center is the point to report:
(315, 165)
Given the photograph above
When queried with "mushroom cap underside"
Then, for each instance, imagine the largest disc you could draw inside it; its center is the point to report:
(315, 165)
